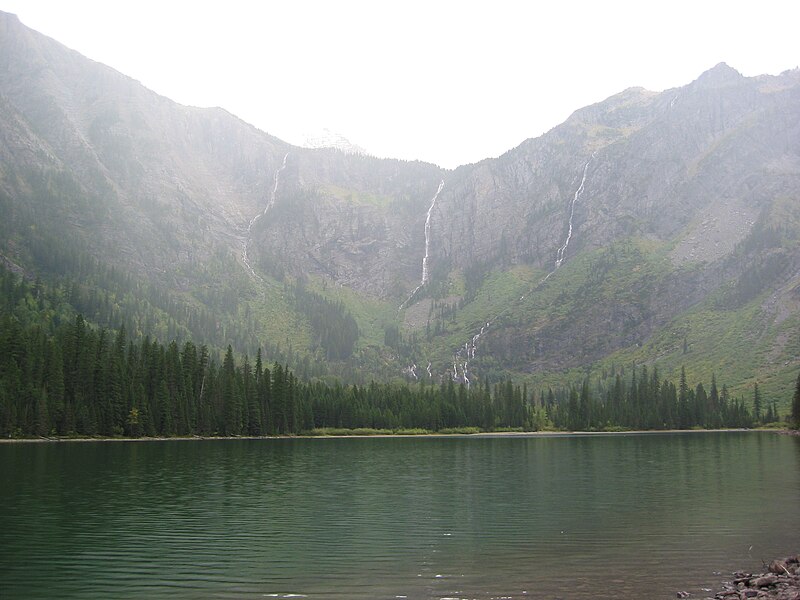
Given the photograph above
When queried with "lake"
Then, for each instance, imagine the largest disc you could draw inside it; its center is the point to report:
(572, 517)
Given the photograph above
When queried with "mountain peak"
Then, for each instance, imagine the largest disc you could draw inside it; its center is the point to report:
(720, 74)
(326, 138)
(7, 16)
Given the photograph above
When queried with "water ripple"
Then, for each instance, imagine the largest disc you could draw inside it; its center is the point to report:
(611, 517)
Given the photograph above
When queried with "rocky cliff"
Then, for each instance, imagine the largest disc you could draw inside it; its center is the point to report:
(595, 242)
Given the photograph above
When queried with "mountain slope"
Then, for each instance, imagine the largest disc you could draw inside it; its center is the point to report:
(655, 228)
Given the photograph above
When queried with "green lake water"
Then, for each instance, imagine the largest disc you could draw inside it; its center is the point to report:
(574, 517)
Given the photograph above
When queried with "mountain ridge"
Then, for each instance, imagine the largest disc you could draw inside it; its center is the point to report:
(686, 188)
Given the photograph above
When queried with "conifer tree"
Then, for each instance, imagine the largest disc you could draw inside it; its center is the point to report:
(42, 415)
(756, 404)
(683, 401)
(796, 405)
(77, 378)
(54, 384)
(714, 409)
(231, 398)
(584, 420)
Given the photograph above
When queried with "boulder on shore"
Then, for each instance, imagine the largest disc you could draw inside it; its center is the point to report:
(780, 582)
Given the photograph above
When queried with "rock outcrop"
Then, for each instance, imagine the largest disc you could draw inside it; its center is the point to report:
(780, 582)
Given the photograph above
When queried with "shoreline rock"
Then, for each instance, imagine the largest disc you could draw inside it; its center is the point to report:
(781, 581)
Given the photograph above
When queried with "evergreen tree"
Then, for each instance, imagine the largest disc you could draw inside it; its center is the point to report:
(684, 417)
(796, 405)
(769, 417)
(713, 409)
(231, 396)
(756, 404)
(584, 419)
(54, 384)
(42, 414)
(75, 378)
(278, 392)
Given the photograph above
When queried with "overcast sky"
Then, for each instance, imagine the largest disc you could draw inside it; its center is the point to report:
(445, 82)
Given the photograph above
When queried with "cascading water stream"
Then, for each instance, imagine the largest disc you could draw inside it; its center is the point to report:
(412, 370)
(254, 220)
(470, 348)
(563, 249)
(428, 233)
(425, 258)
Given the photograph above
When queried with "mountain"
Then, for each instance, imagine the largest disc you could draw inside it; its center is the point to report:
(325, 138)
(650, 229)
(698, 184)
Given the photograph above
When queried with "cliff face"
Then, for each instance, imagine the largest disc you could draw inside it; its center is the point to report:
(647, 205)
(180, 183)
(692, 166)
(355, 220)
(715, 151)
(171, 182)
(695, 175)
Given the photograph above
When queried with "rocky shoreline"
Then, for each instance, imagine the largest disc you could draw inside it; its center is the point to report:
(781, 581)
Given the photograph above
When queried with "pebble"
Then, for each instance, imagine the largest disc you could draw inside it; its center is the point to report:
(780, 582)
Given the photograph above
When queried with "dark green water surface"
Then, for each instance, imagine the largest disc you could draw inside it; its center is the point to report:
(578, 517)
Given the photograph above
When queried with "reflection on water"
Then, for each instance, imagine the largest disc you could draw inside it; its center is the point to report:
(576, 517)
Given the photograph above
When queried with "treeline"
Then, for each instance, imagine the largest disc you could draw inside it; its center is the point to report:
(109, 298)
(77, 380)
(83, 381)
(33, 232)
(112, 298)
(335, 329)
(61, 376)
(646, 402)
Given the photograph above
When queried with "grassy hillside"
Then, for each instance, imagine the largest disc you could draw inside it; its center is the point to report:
(600, 313)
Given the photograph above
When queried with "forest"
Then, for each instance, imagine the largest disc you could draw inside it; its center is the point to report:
(65, 377)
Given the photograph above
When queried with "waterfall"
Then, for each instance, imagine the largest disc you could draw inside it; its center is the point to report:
(254, 220)
(428, 234)
(427, 248)
(412, 371)
(470, 349)
(563, 249)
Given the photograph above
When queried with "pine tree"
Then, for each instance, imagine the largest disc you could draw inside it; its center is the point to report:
(278, 390)
(683, 401)
(42, 415)
(264, 402)
(252, 411)
(164, 404)
(231, 396)
(796, 405)
(700, 406)
(714, 409)
(725, 408)
(756, 404)
(770, 416)
(54, 384)
(585, 412)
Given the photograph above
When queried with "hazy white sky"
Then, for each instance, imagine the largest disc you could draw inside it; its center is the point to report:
(449, 82)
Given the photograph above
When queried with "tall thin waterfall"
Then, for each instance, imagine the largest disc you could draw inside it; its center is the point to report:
(425, 272)
(254, 220)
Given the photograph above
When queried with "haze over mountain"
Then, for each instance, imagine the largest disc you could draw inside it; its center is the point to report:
(654, 229)
(325, 138)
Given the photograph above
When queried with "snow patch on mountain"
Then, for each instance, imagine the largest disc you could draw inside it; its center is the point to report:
(325, 138)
